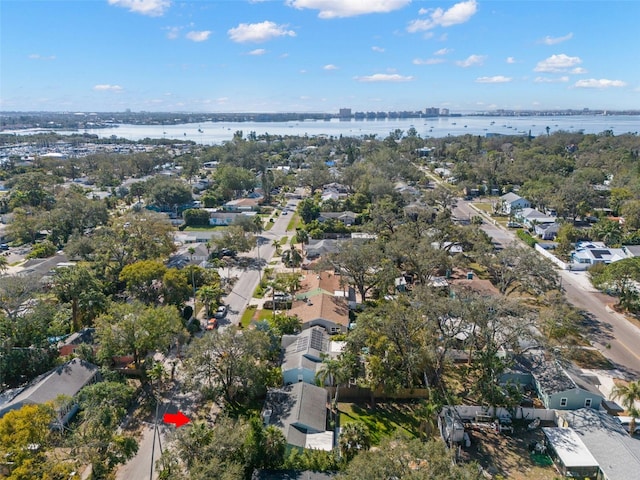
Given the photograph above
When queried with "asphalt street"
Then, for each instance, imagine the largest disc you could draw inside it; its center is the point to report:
(249, 277)
(615, 336)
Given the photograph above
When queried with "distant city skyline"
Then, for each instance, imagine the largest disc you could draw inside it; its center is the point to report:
(318, 55)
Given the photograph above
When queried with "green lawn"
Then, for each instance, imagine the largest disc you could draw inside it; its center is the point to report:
(249, 313)
(485, 207)
(384, 420)
(247, 316)
(293, 223)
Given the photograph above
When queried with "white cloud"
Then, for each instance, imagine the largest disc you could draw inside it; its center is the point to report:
(384, 77)
(348, 8)
(173, 32)
(459, 13)
(494, 79)
(330, 67)
(554, 41)
(579, 71)
(37, 56)
(198, 36)
(259, 32)
(258, 51)
(443, 51)
(510, 60)
(557, 63)
(599, 83)
(472, 61)
(107, 88)
(428, 61)
(377, 49)
(152, 8)
(562, 79)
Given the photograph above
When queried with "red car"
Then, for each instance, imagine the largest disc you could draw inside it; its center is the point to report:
(212, 324)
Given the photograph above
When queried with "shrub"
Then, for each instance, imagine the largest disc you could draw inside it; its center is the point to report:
(526, 238)
(42, 250)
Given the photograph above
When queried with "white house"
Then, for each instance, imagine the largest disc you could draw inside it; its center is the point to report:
(512, 202)
(531, 217)
(587, 254)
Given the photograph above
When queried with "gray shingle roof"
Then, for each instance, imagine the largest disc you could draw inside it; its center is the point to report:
(617, 453)
(67, 379)
(297, 409)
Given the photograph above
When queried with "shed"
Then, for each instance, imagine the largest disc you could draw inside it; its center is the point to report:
(571, 456)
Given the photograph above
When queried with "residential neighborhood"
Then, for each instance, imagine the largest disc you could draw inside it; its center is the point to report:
(308, 304)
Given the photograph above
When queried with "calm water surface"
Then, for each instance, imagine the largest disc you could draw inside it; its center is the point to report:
(215, 133)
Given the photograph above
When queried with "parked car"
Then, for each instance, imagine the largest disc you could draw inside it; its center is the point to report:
(514, 225)
(225, 252)
(212, 324)
(4, 246)
(220, 312)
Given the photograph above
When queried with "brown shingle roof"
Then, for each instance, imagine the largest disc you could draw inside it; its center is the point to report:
(327, 307)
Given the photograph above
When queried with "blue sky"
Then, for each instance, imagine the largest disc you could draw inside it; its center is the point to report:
(318, 55)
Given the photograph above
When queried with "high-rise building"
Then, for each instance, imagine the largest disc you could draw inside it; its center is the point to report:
(431, 111)
(345, 113)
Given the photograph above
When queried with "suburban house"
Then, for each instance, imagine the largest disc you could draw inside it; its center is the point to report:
(406, 190)
(300, 411)
(303, 354)
(66, 380)
(511, 202)
(246, 204)
(547, 231)
(347, 217)
(531, 217)
(617, 453)
(68, 345)
(587, 254)
(631, 250)
(555, 386)
(184, 257)
(330, 195)
(225, 218)
(450, 247)
(317, 248)
(325, 310)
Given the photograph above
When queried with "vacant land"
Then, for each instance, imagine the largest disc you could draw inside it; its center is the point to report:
(507, 455)
(503, 456)
(387, 418)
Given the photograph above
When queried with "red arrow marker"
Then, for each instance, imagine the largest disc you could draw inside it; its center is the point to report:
(178, 418)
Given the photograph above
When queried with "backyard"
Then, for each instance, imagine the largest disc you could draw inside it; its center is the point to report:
(501, 456)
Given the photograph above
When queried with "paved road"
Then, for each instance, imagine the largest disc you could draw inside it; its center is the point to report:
(139, 467)
(249, 278)
(611, 333)
(615, 336)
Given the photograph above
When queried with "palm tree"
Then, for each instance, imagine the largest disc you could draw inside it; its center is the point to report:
(292, 258)
(629, 394)
(208, 295)
(276, 244)
(302, 237)
(354, 437)
(333, 371)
